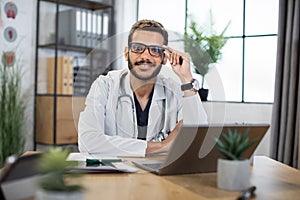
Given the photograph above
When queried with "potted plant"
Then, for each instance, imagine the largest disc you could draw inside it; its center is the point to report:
(204, 48)
(233, 171)
(58, 171)
(12, 108)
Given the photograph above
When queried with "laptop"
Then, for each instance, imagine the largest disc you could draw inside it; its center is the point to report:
(19, 177)
(194, 149)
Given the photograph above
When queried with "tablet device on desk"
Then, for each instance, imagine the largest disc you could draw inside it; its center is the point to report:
(19, 176)
(194, 149)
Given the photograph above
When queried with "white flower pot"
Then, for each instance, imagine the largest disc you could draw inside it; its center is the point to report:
(233, 175)
(58, 195)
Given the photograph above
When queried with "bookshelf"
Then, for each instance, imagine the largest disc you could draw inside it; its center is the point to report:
(69, 56)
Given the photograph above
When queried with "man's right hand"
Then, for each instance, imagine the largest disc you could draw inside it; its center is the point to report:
(164, 146)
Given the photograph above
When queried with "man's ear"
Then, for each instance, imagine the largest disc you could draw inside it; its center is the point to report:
(126, 52)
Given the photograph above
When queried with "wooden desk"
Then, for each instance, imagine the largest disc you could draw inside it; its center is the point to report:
(273, 180)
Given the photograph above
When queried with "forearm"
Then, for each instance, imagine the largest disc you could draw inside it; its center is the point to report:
(188, 93)
(97, 143)
(163, 146)
(155, 147)
(92, 138)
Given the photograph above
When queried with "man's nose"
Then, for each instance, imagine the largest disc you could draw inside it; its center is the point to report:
(146, 53)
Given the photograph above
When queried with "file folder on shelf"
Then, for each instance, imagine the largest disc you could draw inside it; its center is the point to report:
(64, 75)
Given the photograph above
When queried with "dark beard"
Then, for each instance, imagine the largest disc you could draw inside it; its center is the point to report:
(136, 75)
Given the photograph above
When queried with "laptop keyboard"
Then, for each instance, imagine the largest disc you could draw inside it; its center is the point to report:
(153, 165)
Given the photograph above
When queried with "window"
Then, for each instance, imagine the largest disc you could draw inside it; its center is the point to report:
(247, 68)
(169, 12)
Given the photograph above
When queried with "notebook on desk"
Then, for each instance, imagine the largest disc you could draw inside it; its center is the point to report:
(194, 149)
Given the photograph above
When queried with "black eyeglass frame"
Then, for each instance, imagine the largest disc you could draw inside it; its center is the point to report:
(147, 47)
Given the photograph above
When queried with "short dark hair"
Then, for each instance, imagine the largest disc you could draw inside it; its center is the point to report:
(149, 25)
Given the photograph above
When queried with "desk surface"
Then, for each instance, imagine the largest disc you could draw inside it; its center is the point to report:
(273, 180)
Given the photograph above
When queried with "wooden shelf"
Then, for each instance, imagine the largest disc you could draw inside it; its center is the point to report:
(58, 98)
(86, 4)
(67, 47)
(74, 48)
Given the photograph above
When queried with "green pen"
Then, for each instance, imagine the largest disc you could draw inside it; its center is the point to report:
(97, 161)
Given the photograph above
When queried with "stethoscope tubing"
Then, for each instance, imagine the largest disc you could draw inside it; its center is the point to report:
(124, 95)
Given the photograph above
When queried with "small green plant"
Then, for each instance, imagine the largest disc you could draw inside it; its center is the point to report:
(234, 144)
(53, 163)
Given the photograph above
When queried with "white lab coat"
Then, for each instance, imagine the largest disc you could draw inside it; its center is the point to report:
(107, 130)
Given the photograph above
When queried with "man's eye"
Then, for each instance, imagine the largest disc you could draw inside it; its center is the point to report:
(156, 50)
(137, 48)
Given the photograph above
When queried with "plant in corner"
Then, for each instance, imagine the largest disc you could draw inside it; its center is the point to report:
(234, 170)
(12, 109)
(204, 48)
(58, 174)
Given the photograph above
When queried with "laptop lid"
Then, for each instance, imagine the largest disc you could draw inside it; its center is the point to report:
(19, 177)
(194, 149)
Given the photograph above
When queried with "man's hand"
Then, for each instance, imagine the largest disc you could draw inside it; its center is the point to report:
(164, 146)
(180, 63)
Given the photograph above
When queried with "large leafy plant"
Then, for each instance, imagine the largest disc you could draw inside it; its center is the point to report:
(204, 45)
(12, 111)
(234, 144)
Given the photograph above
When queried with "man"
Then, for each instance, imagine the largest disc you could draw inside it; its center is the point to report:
(138, 111)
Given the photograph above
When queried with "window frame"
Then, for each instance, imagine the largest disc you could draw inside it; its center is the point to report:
(243, 37)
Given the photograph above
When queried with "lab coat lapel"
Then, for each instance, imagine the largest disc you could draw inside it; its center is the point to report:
(127, 85)
(128, 91)
(157, 110)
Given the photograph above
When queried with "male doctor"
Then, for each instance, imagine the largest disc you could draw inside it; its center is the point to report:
(135, 111)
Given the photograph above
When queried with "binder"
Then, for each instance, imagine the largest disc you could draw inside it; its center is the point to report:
(70, 76)
(70, 27)
(64, 81)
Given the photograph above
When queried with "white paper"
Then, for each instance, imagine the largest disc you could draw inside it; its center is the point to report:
(117, 166)
(84, 156)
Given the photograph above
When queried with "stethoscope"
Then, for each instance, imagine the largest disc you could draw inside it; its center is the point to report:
(159, 136)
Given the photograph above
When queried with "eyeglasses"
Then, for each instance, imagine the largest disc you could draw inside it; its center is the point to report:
(156, 51)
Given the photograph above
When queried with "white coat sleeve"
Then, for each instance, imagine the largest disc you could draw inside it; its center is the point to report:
(193, 111)
(91, 135)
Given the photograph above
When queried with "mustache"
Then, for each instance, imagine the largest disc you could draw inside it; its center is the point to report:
(142, 62)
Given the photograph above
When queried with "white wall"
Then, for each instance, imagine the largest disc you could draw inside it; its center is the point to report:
(242, 113)
(24, 47)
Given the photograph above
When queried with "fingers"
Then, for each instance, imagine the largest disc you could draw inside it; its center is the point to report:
(175, 130)
(175, 57)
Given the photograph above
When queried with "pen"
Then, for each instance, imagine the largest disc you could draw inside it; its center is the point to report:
(97, 161)
(247, 193)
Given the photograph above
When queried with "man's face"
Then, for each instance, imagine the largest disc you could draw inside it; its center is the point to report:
(145, 54)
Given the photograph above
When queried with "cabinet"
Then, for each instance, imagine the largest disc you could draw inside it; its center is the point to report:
(70, 54)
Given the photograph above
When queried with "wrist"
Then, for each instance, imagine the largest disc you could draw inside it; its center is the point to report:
(154, 147)
(189, 93)
(186, 80)
(193, 86)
